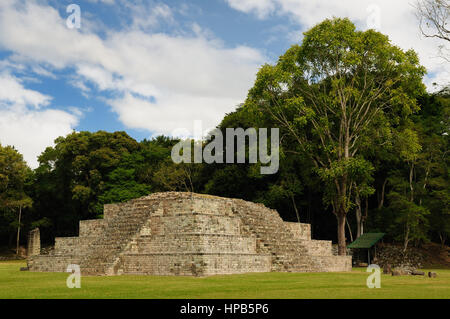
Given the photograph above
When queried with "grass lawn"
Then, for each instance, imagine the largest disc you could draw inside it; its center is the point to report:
(17, 284)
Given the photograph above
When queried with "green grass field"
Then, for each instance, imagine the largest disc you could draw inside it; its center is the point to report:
(17, 284)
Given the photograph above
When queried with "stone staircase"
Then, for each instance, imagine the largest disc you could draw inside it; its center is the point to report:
(119, 228)
(289, 253)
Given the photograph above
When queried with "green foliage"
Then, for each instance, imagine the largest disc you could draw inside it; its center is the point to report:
(418, 188)
(14, 174)
(410, 222)
(408, 146)
(332, 92)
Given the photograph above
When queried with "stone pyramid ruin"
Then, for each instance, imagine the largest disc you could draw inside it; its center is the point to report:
(176, 233)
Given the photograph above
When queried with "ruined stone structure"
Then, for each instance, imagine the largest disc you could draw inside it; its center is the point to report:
(34, 242)
(190, 234)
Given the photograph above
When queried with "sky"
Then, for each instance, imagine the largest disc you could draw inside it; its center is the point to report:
(156, 67)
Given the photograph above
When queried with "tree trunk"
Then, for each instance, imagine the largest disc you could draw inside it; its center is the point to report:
(383, 188)
(424, 184)
(342, 248)
(359, 224)
(18, 231)
(295, 208)
(349, 229)
(443, 238)
(359, 219)
(405, 243)
(362, 227)
(411, 186)
(411, 199)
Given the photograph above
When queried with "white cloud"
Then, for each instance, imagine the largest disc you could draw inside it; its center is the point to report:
(147, 16)
(13, 92)
(260, 7)
(171, 112)
(30, 130)
(397, 20)
(102, 1)
(40, 70)
(189, 77)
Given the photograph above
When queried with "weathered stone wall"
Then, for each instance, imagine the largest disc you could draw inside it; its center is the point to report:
(190, 234)
(34, 242)
(317, 247)
(92, 228)
(193, 264)
(299, 230)
(194, 243)
(195, 223)
(52, 263)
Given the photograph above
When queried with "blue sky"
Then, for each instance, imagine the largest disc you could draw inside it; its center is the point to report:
(154, 67)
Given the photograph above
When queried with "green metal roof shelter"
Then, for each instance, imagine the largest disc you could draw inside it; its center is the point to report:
(366, 241)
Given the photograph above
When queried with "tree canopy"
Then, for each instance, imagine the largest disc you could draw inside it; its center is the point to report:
(337, 94)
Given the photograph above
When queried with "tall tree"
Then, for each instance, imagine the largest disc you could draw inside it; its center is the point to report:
(13, 174)
(333, 94)
(403, 197)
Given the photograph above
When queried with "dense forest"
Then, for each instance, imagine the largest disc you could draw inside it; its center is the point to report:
(363, 147)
